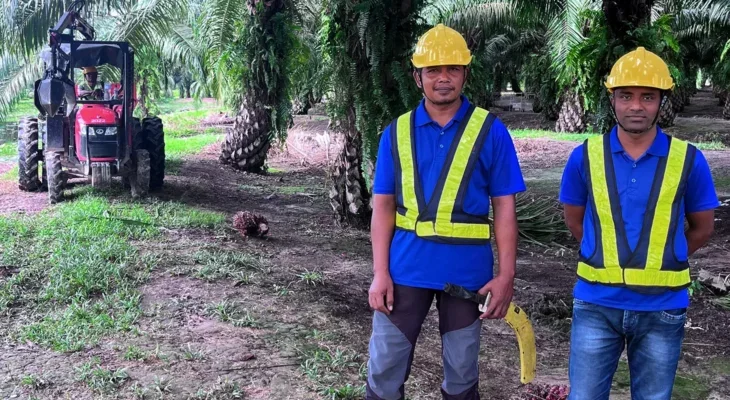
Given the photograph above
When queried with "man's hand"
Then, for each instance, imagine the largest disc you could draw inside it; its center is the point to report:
(502, 289)
(381, 293)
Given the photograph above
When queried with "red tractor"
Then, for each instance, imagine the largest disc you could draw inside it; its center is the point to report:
(87, 134)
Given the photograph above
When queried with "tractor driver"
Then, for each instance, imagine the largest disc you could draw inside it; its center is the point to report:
(87, 89)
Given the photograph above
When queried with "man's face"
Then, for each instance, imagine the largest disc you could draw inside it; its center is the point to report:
(442, 85)
(636, 107)
(91, 79)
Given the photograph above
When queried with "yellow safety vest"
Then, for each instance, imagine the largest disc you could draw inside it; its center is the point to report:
(652, 267)
(443, 219)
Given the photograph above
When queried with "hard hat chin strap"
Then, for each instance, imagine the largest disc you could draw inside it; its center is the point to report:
(665, 97)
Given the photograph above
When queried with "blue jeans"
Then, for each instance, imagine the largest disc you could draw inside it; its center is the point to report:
(653, 343)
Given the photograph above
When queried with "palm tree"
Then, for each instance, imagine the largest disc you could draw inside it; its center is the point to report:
(259, 51)
(368, 44)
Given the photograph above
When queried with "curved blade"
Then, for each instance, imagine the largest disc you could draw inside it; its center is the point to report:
(518, 321)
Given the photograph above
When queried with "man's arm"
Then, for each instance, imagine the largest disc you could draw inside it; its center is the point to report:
(382, 226)
(574, 220)
(701, 226)
(505, 233)
(700, 201)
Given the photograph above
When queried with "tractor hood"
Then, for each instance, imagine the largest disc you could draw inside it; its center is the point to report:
(92, 114)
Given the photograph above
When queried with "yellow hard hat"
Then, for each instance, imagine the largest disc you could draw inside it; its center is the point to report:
(640, 68)
(441, 45)
(89, 69)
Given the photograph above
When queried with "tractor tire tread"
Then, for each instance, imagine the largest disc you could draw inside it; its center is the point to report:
(154, 137)
(56, 177)
(28, 155)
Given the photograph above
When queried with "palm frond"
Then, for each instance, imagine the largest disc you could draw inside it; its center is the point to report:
(220, 17)
(148, 20)
(565, 31)
(180, 47)
(16, 76)
(29, 20)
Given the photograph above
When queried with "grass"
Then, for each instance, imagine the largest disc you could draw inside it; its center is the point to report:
(214, 265)
(11, 175)
(174, 104)
(101, 380)
(78, 268)
(24, 108)
(33, 382)
(185, 123)
(229, 312)
(312, 278)
(329, 369)
(178, 147)
(8, 150)
(134, 353)
(223, 390)
(537, 133)
(580, 137)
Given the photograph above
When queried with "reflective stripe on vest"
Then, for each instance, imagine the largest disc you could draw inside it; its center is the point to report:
(443, 218)
(652, 266)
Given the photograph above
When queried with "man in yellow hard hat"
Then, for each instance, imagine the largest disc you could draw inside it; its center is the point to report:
(88, 88)
(626, 197)
(438, 166)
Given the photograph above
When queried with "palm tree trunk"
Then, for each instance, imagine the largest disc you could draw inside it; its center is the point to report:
(143, 95)
(572, 116)
(668, 112)
(349, 195)
(726, 108)
(247, 142)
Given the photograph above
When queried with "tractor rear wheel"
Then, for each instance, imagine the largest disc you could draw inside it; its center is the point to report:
(154, 143)
(56, 176)
(28, 155)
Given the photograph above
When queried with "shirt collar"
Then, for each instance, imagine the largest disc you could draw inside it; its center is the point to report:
(422, 117)
(658, 148)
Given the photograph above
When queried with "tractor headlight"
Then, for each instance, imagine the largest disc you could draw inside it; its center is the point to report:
(111, 131)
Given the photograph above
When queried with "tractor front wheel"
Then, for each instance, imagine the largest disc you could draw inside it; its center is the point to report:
(154, 143)
(140, 179)
(28, 155)
(56, 176)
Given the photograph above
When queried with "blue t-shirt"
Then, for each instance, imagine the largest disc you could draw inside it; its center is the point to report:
(422, 263)
(634, 181)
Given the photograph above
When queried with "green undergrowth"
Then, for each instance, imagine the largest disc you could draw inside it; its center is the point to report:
(24, 108)
(10, 175)
(74, 269)
(580, 137)
(8, 150)
(178, 147)
(185, 123)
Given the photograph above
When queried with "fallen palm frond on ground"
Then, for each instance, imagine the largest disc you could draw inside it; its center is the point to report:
(723, 302)
(540, 219)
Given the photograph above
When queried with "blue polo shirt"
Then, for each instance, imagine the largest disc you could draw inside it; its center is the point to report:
(422, 263)
(634, 181)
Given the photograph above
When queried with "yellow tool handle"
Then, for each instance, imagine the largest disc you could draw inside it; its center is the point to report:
(518, 321)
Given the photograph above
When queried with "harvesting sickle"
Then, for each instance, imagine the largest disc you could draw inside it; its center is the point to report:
(516, 319)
